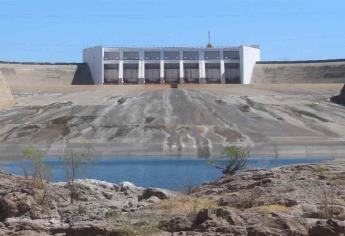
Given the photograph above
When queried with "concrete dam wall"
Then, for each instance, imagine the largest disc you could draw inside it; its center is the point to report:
(328, 71)
(6, 98)
(45, 74)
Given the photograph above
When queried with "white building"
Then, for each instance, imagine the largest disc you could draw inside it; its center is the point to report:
(171, 64)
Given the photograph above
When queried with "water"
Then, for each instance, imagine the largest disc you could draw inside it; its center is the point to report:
(173, 173)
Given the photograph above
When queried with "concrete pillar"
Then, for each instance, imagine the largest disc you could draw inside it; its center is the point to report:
(222, 67)
(121, 72)
(181, 68)
(141, 70)
(161, 71)
(121, 68)
(202, 69)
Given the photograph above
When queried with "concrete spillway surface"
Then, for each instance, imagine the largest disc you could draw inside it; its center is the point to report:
(144, 120)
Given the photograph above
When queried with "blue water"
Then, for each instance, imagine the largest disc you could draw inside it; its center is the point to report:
(173, 173)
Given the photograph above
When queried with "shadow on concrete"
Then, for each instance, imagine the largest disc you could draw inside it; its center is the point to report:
(82, 75)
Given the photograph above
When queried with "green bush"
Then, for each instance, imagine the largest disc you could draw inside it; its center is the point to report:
(236, 160)
(40, 172)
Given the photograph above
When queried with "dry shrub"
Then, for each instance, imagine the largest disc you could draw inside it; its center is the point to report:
(187, 205)
(270, 208)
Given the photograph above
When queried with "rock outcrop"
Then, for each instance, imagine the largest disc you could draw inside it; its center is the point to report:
(6, 97)
(98, 209)
(294, 200)
(340, 99)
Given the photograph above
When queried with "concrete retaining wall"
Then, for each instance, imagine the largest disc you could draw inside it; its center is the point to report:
(328, 71)
(6, 98)
(45, 74)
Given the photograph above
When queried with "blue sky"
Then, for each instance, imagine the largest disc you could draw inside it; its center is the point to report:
(56, 31)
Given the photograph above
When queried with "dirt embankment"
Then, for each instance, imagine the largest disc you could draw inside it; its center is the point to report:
(331, 71)
(31, 75)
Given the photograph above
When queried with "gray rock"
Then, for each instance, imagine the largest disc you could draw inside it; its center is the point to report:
(156, 192)
(176, 224)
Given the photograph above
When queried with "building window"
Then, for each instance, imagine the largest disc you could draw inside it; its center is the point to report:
(191, 55)
(111, 55)
(212, 55)
(152, 55)
(130, 55)
(172, 55)
(234, 55)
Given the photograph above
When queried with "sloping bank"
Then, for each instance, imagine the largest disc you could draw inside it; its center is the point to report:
(31, 74)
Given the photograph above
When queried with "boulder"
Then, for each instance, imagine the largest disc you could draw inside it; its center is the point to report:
(330, 227)
(340, 99)
(156, 192)
(176, 224)
(14, 204)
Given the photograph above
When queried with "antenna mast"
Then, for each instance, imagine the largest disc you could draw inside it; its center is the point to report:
(209, 45)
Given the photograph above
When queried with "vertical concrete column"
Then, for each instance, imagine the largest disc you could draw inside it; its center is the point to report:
(141, 71)
(181, 68)
(161, 67)
(222, 67)
(102, 81)
(121, 67)
(202, 69)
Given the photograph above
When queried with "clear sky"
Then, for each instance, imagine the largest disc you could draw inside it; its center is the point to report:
(57, 31)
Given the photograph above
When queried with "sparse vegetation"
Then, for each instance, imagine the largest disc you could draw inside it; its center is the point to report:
(187, 205)
(236, 160)
(74, 161)
(321, 170)
(270, 208)
(128, 228)
(40, 172)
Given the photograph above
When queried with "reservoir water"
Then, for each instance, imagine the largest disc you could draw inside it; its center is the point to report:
(175, 173)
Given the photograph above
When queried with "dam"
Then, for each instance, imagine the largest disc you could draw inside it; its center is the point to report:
(214, 65)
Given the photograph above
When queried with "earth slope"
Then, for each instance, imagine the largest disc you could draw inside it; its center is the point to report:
(139, 120)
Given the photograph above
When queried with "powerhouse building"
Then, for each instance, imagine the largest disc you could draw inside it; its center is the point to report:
(223, 65)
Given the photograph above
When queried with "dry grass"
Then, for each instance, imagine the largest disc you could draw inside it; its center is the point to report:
(187, 205)
(270, 208)
(320, 169)
(145, 227)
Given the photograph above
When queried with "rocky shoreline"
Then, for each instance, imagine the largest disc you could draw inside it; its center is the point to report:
(304, 199)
